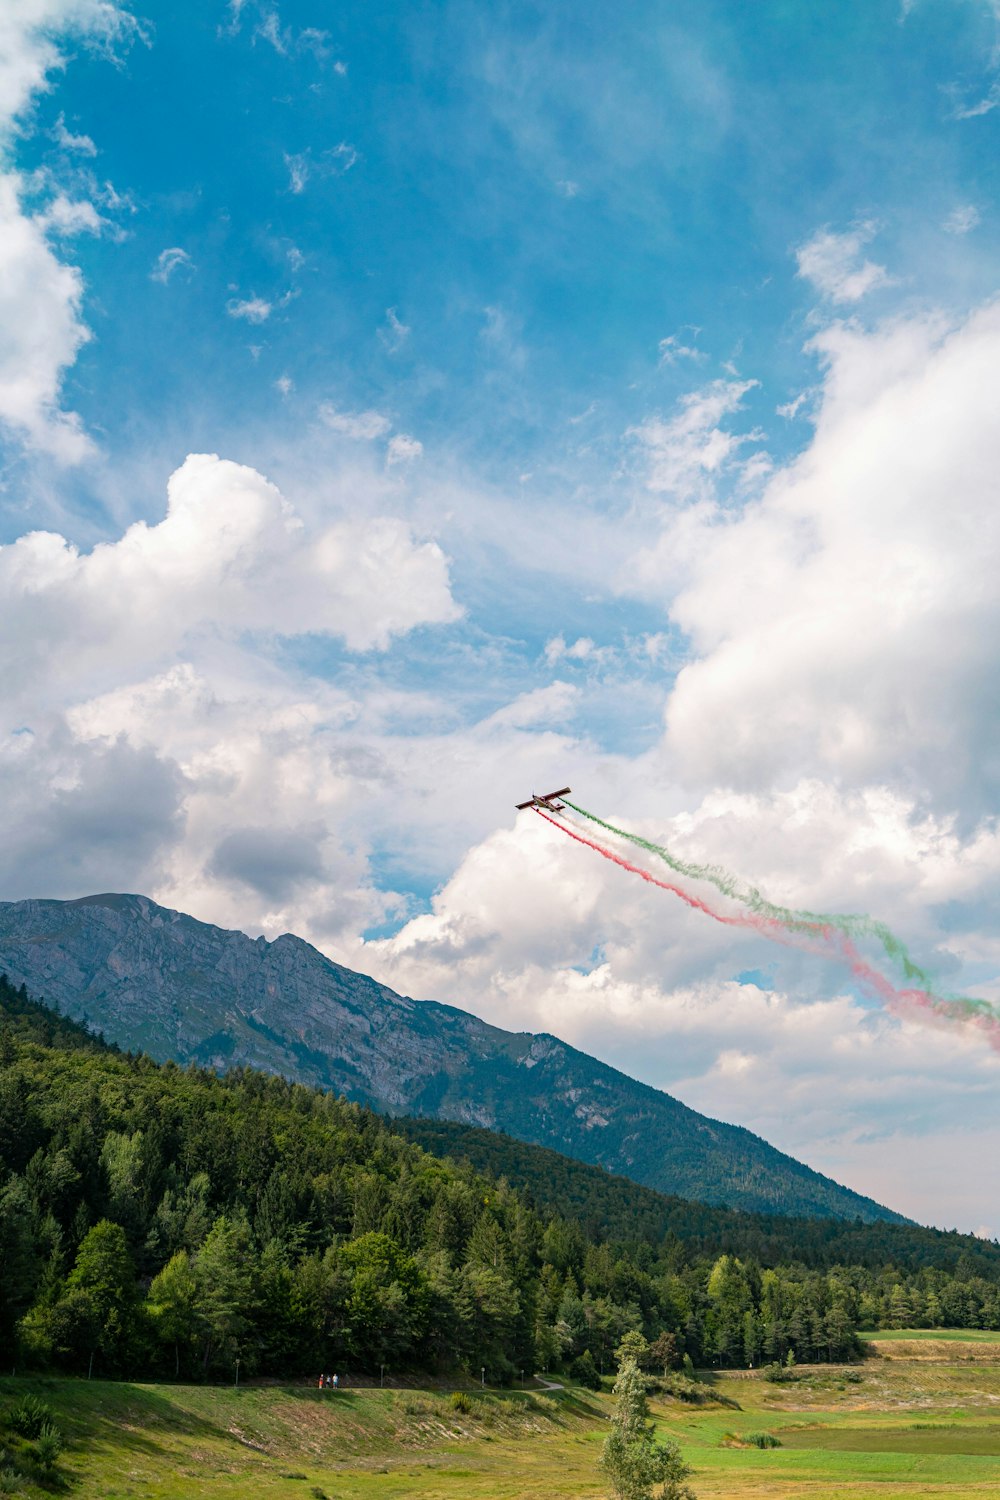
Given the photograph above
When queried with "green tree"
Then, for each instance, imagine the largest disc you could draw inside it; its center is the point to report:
(663, 1351)
(632, 1347)
(172, 1305)
(635, 1463)
(224, 1273)
(388, 1300)
(97, 1312)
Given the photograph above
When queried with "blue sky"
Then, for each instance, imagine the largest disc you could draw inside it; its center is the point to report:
(592, 396)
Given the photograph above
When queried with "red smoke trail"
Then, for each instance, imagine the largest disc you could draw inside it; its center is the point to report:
(767, 925)
(836, 943)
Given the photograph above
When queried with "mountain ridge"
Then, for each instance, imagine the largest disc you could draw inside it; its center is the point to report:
(161, 981)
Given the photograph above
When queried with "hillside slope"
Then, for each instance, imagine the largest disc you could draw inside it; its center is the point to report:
(177, 988)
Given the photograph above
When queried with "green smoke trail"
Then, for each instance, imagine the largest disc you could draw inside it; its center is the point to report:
(851, 926)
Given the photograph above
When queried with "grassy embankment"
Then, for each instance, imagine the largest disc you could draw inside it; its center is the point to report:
(920, 1426)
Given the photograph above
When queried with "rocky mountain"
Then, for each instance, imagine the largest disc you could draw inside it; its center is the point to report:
(162, 982)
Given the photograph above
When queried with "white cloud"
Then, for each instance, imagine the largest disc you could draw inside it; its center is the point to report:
(363, 426)
(985, 105)
(685, 453)
(231, 554)
(403, 449)
(168, 261)
(284, 384)
(40, 332)
(790, 409)
(567, 188)
(393, 334)
(962, 219)
(67, 216)
(82, 145)
(342, 158)
(302, 166)
(832, 262)
(298, 170)
(40, 296)
(251, 309)
(846, 623)
(671, 350)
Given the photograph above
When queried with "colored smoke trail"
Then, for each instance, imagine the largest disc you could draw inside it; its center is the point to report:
(854, 926)
(815, 935)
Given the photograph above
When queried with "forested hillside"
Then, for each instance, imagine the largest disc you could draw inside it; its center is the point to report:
(614, 1208)
(179, 989)
(169, 1220)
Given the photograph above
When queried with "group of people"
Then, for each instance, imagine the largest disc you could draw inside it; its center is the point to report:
(329, 1382)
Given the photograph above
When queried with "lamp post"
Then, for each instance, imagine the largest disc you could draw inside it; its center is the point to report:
(381, 1375)
(483, 1377)
(236, 1385)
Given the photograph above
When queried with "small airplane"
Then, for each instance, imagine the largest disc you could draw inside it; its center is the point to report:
(550, 801)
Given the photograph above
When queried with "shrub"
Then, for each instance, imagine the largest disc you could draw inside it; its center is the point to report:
(30, 1417)
(750, 1440)
(779, 1374)
(414, 1407)
(49, 1445)
(584, 1370)
(461, 1402)
(681, 1387)
(11, 1482)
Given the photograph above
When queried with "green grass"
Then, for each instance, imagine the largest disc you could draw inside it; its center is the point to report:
(909, 1428)
(949, 1335)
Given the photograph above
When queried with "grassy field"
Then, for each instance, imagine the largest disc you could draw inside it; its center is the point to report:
(939, 1335)
(893, 1427)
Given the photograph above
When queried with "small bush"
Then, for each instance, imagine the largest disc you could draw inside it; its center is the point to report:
(750, 1440)
(681, 1387)
(11, 1482)
(779, 1374)
(30, 1417)
(459, 1401)
(49, 1446)
(414, 1407)
(584, 1370)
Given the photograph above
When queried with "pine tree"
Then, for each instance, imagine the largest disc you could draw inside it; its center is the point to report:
(633, 1460)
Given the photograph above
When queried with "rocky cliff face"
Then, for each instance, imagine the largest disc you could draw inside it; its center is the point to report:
(159, 981)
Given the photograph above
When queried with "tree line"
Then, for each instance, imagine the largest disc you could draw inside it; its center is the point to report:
(165, 1220)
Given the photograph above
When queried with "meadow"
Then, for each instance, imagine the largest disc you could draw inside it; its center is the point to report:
(893, 1427)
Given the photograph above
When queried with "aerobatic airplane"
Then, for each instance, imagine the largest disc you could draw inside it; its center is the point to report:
(549, 801)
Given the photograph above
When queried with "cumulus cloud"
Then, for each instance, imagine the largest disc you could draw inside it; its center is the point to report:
(41, 296)
(833, 263)
(42, 331)
(231, 555)
(846, 621)
(84, 817)
(155, 670)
